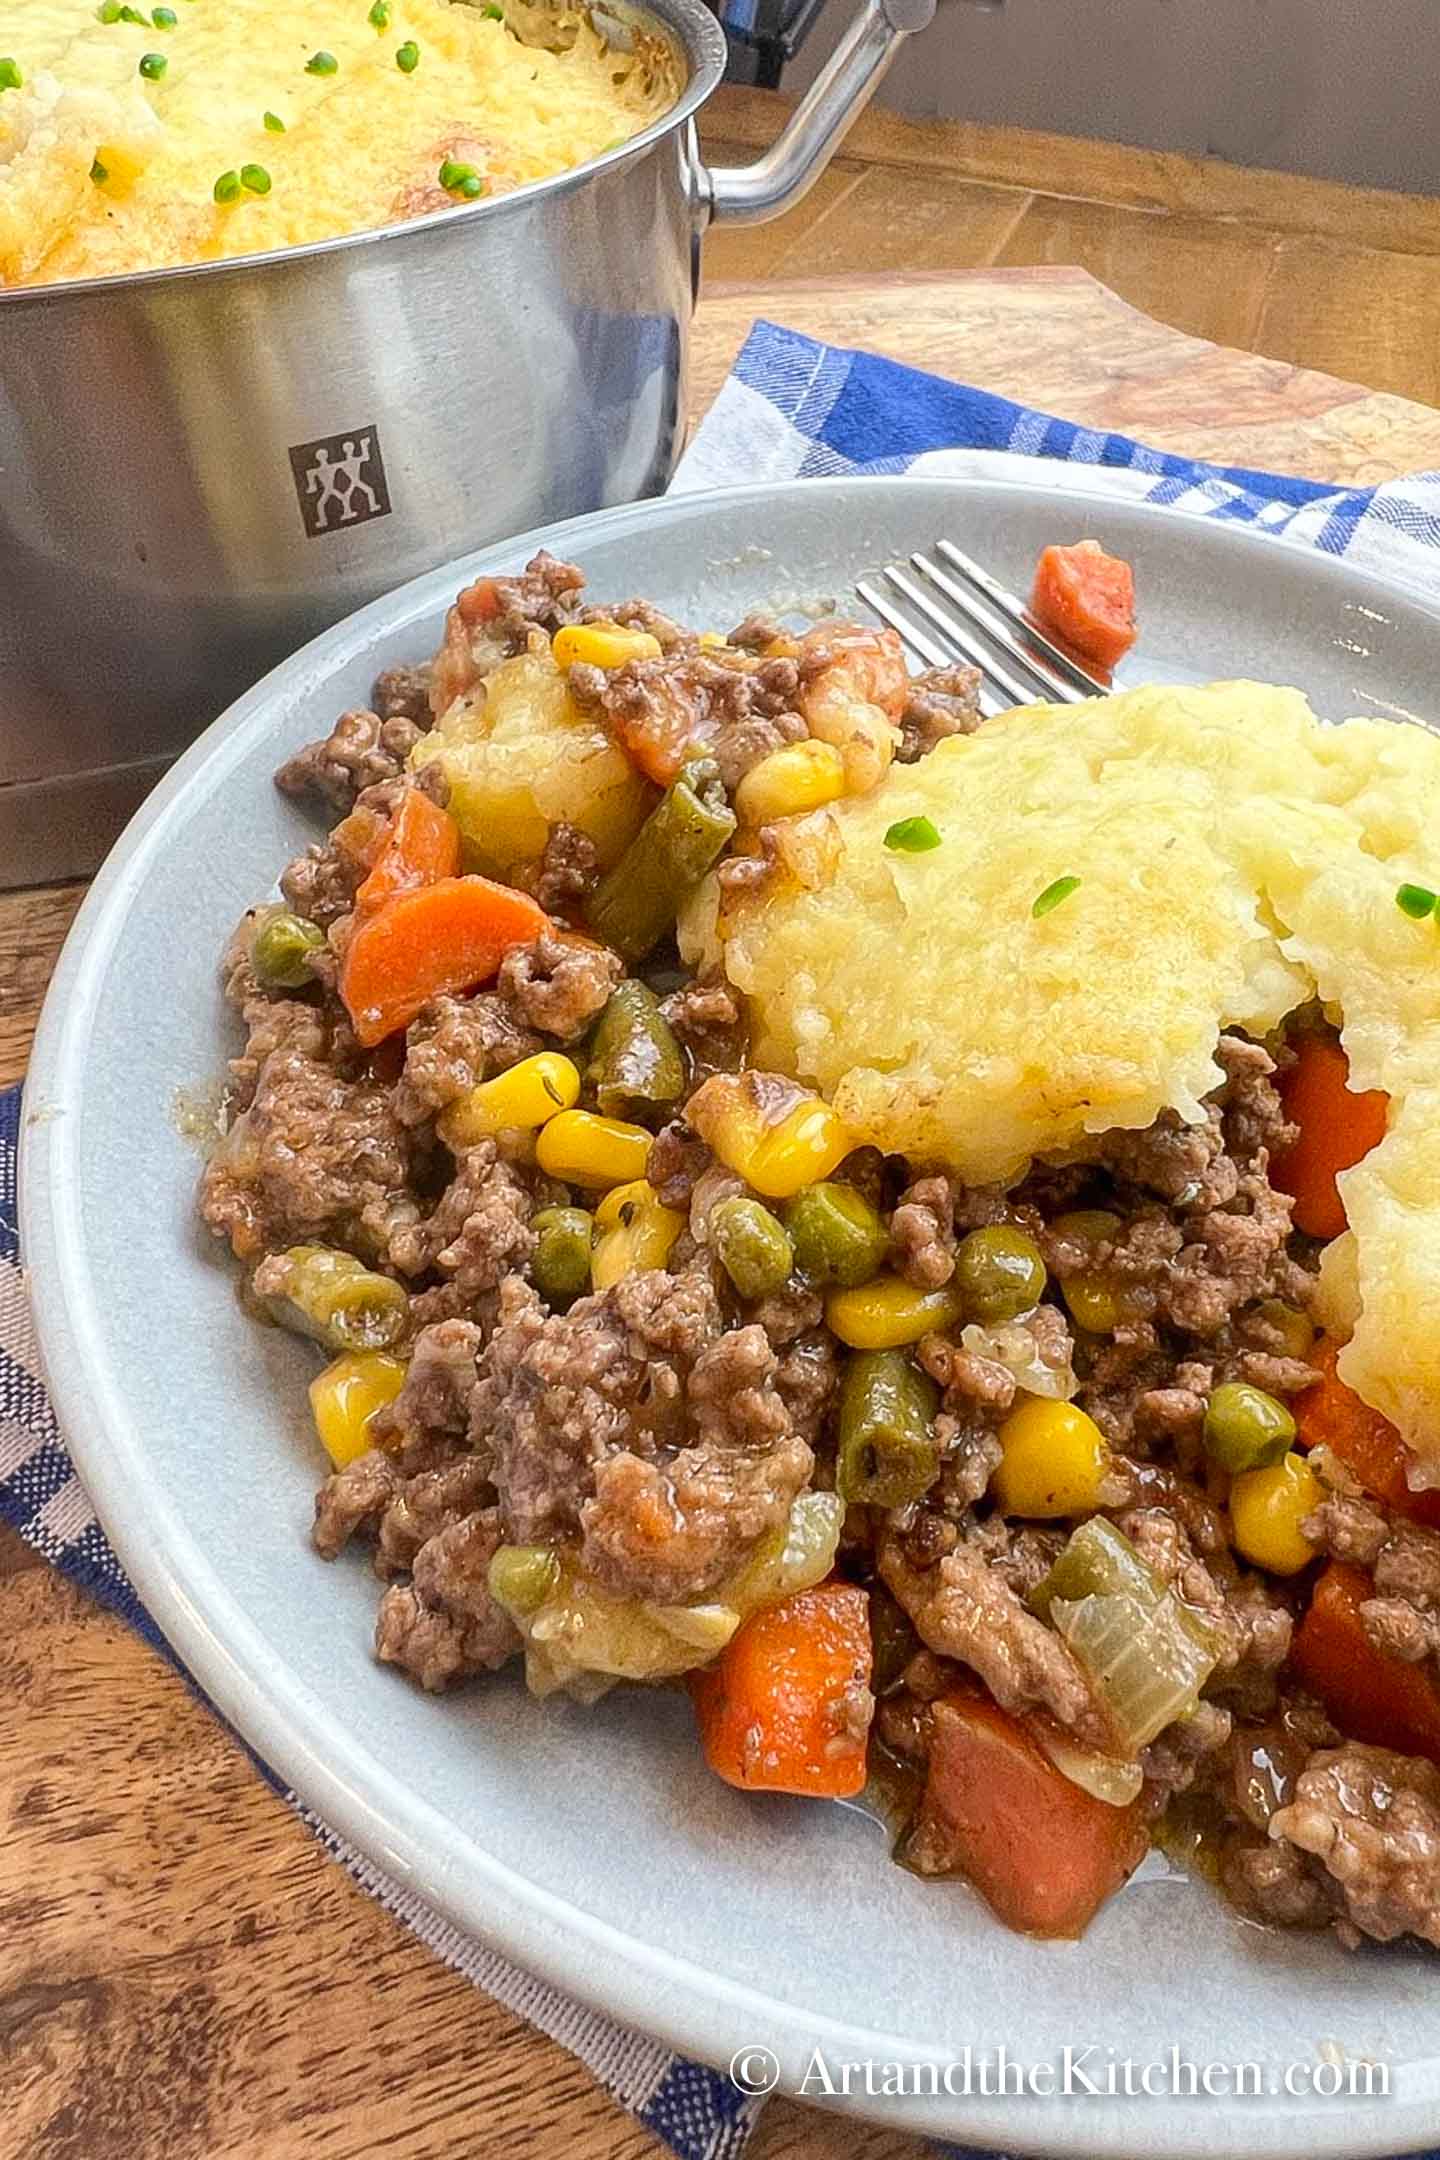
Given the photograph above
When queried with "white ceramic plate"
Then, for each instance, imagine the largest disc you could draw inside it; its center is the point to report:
(593, 1846)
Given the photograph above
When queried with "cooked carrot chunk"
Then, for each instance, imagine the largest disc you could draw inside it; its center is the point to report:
(1087, 599)
(448, 936)
(786, 1706)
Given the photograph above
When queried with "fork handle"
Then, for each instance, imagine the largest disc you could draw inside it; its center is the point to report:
(749, 194)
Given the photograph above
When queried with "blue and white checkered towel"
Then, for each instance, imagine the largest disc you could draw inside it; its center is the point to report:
(791, 408)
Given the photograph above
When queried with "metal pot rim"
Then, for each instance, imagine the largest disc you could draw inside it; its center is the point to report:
(703, 43)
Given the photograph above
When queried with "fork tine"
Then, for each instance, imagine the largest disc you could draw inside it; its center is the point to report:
(959, 634)
(920, 642)
(1015, 609)
(996, 627)
(921, 646)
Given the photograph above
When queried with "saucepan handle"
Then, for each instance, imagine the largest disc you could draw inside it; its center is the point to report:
(748, 194)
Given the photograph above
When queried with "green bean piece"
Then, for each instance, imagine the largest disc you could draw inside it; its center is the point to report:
(335, 1298)
(280, 954)
(887, 1454)
(1000, 1272)
(560, 1262)
(837, 1235)
(681, 839)
(752, 1246)
(1246, 1429)
(636, 1065)
(893, 1641)
(521, 1577)
(1295, 1328)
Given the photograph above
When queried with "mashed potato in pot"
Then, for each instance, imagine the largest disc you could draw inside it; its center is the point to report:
(137, 139)
(1235, 859)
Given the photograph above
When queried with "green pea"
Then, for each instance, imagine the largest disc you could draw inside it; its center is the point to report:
(560, 1263)
(521, 1577)
(1000, 1273)
(1246, 1429)
(838, 1236)
(752, 1246)
(283, 947)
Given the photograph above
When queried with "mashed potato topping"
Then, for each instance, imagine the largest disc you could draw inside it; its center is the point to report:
(106, 167)
(1236, 858)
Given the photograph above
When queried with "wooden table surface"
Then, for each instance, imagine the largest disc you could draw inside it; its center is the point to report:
(183, 1975)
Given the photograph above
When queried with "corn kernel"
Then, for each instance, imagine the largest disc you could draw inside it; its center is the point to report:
(1094, 1303)
(1267, 1508)
(805, 1146)
(346, 1396)
(709, 640)
(522, 1099)
(1054, 1462)
(602, 645)
(802, 776)
(592, 1151)
(635, 1232)
(889, 1312)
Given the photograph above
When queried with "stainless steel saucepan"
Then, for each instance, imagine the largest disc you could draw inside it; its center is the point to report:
(199, 468)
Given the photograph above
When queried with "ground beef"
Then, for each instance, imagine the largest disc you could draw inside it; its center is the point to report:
(807, 1379)
(756, 633)
(1247, 1619)
(643, 615)
(273, 1023)
(676, 1163)
(493, 619)
(922, 1233)
(569, 871)
(633, 1420)
(431, 1414)
(403, 693)
(453, 1044)
(321, 884)
(962, 1608)
(427, 1503)
(1348, 1528)
(942, 701)
(558, 985)
(360, 750)
(444, 1625)
(1276, 1884)
(1372, 1821)
(353, 1500)
(731, 711)
(479, 1230)
(315, 1158)
(1173, 1761)
(709, 1020)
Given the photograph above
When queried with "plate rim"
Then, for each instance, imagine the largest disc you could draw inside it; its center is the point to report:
(660, 1992)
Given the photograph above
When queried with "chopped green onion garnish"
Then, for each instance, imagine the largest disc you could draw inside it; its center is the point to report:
(1053, 895)
(379, 16)
(153, 65)
(459, 179)
(133, 15)
(164, 18)
(108, 11)
(322, 63)
(10, 76)
(407, 59)
(913, 836)
(227, 187)
(1415, 900)
(274, 123)
(255, 178)
(99, 173)
(491, 13)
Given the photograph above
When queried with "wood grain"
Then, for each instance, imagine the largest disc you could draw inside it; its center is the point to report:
(183, 1974)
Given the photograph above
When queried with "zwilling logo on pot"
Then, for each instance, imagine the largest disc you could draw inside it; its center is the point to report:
(340, 481)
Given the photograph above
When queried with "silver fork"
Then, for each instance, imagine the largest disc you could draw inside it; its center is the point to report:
(942, 617)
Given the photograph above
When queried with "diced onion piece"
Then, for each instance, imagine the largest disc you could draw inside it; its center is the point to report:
(1013, 1345)
(1147, 1662)
(1104, 1777)
(794, 1557)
